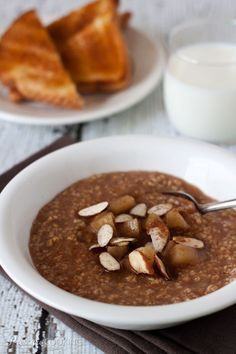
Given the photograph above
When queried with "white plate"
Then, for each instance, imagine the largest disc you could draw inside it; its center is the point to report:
(211, 168)
(148, 61)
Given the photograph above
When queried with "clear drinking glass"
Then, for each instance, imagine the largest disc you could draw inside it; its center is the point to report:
(200, 80)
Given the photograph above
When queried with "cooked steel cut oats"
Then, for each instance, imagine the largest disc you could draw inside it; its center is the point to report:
(167, 255)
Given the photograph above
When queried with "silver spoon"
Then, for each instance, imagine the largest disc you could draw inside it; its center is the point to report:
(207, 207)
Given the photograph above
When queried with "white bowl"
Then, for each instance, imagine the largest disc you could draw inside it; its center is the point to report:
(210, 168)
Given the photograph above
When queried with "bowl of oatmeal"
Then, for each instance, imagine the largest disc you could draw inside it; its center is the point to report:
(97, 237)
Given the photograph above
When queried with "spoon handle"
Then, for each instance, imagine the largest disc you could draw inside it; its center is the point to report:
(227, 204)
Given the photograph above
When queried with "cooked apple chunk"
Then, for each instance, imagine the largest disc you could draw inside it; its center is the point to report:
(117, 251)
(102, 219)
(122, 204)
(175, 220)
(180, 256)
(130, 228)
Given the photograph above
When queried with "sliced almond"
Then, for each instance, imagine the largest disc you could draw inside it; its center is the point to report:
(108, 261)
(159, 234)
(160, 209)
(101, 219)
(189, 241)
(139, 210)
(130, 228)
(122, 243)
(152, 220)
(93, 209)
(161, 267)
(140, 263)
(175, 220)
(122, 204)
(123, 218)
(117, 251)
(94, 247)
(119, 240)
(104, 235)
(159, 239)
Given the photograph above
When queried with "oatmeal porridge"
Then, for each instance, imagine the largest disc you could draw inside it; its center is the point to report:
(117, 238)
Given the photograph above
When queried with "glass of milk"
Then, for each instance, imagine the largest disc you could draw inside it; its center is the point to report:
(200, 80)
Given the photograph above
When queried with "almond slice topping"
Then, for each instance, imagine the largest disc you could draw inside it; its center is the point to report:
(159, 240)
(140, 263)
(159, 234)
(152, 220)
(121, 244)
(108, 262)
(161, 267)
(121, 240)
(104, 234)
(139, 210)
(160, 209)
(93, 209)
(123, 218)
(96, 245)
(189, 241)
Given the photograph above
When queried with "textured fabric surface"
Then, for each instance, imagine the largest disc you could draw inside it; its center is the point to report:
(214, 334)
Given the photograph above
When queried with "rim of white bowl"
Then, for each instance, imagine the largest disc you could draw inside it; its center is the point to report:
(160, 315)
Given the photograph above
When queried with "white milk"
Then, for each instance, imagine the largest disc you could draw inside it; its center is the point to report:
(200, 91)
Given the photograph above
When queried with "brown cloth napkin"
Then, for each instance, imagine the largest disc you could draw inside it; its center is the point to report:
(214, 334)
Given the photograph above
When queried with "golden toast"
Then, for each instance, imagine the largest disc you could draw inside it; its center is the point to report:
(66, 26)
(124, 19)
(92, 46)
(31, 66)
(97, 53)
(104, 87)
(109, 86)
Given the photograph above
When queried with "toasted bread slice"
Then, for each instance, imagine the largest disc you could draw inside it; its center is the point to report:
(98, 53)
(124, 19)
(15, 95)
(105, 87)
(78, 27)
(65, 27)
(102, 87)
(31, 67)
